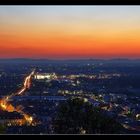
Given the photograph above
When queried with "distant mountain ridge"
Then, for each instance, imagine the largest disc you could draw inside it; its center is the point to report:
(68, 60)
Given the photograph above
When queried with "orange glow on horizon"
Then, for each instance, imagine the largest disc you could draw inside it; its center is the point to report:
(68, 46)
(70, 36)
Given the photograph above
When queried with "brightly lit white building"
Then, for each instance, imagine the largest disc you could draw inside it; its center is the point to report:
(40, 76)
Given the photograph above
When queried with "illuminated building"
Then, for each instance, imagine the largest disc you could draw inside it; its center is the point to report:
(42, 76)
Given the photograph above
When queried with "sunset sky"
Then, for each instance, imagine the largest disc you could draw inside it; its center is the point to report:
(67, 32)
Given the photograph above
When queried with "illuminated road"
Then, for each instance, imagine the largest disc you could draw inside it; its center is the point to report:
(6, 106)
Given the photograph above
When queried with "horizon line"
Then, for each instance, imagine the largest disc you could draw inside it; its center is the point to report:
(65, 59)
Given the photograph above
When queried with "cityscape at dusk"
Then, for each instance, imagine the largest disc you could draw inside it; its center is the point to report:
(69, 70)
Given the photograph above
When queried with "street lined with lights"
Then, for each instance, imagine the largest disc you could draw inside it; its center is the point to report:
(6, 106)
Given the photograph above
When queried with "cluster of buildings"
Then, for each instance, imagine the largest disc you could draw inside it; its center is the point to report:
(124, 108)
(49, 89)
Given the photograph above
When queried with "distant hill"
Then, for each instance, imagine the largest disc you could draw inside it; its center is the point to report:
(28, 60)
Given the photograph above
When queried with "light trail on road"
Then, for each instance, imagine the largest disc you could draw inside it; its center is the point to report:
(6, 106)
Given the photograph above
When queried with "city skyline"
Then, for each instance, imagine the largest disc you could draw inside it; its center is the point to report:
(67, 32)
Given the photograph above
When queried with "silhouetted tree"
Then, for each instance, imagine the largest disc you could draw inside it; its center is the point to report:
(77, 116)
